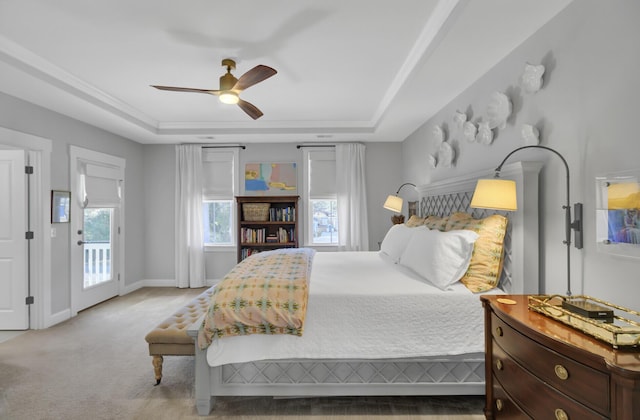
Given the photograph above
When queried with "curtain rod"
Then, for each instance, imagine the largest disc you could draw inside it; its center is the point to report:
(241, 146)
(300, 146)
(214, 146)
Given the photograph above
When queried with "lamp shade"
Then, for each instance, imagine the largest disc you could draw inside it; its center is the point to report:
(498, 194)
(393, 203)
(623, 195)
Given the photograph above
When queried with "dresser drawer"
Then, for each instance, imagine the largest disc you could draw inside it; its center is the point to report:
(532, 394)
(503, 407)
(584, 384)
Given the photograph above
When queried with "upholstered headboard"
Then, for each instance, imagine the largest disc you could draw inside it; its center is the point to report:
(520, 270)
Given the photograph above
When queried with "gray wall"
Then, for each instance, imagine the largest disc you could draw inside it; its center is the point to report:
(383, 170)
(586, 110)
(62, 131)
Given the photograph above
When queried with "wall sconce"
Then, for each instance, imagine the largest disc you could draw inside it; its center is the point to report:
(500, 194)
(394, 203)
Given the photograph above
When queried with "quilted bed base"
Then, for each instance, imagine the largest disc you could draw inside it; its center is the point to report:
(455, 375)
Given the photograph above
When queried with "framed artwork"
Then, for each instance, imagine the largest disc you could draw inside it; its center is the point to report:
(618, 213)
(60, 205)
(270, 178)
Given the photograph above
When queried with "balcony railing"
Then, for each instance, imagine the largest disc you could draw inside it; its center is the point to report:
(97, 263)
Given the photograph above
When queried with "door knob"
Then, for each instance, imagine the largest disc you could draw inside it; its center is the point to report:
(80, 242)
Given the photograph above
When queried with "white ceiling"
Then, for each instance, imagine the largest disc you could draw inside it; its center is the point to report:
(348, 70)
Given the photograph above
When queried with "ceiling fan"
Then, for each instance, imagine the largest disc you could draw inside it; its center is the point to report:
(230, 87)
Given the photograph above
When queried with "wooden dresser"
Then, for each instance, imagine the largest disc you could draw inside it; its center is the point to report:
(539, 368)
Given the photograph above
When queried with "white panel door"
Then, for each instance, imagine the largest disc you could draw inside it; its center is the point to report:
(14, 312)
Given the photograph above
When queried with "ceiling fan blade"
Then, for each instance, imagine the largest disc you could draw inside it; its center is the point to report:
(250, 109)
(253, 76)
(182, 89)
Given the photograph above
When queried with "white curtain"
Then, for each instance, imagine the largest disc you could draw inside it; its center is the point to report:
(352, 197)
(189, 251)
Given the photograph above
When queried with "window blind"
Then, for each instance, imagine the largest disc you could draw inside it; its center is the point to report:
(322, 173)
(102, 186)
(218, 174)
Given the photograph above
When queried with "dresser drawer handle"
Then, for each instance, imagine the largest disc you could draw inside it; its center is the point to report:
(561, 414)
(499, 404)
(499, 364)
(499, 332)
(561, 372)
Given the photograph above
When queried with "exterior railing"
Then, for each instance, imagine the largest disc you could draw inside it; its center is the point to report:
(97, 263)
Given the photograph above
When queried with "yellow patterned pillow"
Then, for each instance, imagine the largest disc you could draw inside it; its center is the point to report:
(436, 222)
(415, 221)
(488, 252)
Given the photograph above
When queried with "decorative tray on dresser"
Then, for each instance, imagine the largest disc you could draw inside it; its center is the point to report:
(537, 367)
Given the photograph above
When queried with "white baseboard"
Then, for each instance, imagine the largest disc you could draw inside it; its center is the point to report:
(57, 318)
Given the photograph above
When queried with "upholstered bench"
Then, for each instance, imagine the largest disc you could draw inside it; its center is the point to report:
(170, 337)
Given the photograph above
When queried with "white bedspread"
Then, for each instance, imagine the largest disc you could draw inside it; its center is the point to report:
(363, 307)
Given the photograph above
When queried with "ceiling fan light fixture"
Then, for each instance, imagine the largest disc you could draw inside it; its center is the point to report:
(229, 97)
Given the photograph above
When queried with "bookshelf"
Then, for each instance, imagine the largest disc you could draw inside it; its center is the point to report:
(276, 225)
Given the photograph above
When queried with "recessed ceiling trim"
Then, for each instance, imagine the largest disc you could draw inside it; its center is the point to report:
(426, 43)
(36, 66)
(194, 130)
(271, 125)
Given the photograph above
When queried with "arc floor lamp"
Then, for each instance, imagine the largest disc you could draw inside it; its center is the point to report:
(500, 194)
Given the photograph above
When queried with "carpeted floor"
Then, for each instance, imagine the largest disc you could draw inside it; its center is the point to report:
(96, 366)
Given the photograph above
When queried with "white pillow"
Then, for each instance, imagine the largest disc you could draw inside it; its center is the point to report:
(441, 258)
(396, 240)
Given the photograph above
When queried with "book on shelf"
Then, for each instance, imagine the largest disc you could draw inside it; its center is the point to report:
(282, 214)
(251, 235)
(246, 252)
(272, 237)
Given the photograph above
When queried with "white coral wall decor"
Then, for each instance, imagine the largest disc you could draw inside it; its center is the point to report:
(469, 131)
(459, 118)
(438, 134)
(433, 162)
(531, 78)
(485, 134)
(498, 110)
(446, 155)
(530, 135)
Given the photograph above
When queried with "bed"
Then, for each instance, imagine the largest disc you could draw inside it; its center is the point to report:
(420, 359)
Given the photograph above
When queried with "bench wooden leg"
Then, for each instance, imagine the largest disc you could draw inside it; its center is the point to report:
(157, 367)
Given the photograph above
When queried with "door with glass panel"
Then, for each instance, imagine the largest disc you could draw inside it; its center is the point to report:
(96, 237)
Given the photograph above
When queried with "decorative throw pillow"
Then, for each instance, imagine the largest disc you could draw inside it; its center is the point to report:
(439, 257)
(488, 253)
(396, 240)
(436, 222)
(415, 221)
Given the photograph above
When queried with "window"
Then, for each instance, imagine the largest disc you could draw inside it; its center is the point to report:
(219, 185)
(322, 203)
(218, 222)
(325, 221)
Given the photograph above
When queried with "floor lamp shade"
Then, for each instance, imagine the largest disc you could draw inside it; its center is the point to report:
(393, 203)
(498, 194)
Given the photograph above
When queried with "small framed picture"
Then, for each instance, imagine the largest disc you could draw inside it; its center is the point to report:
(60, 203)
